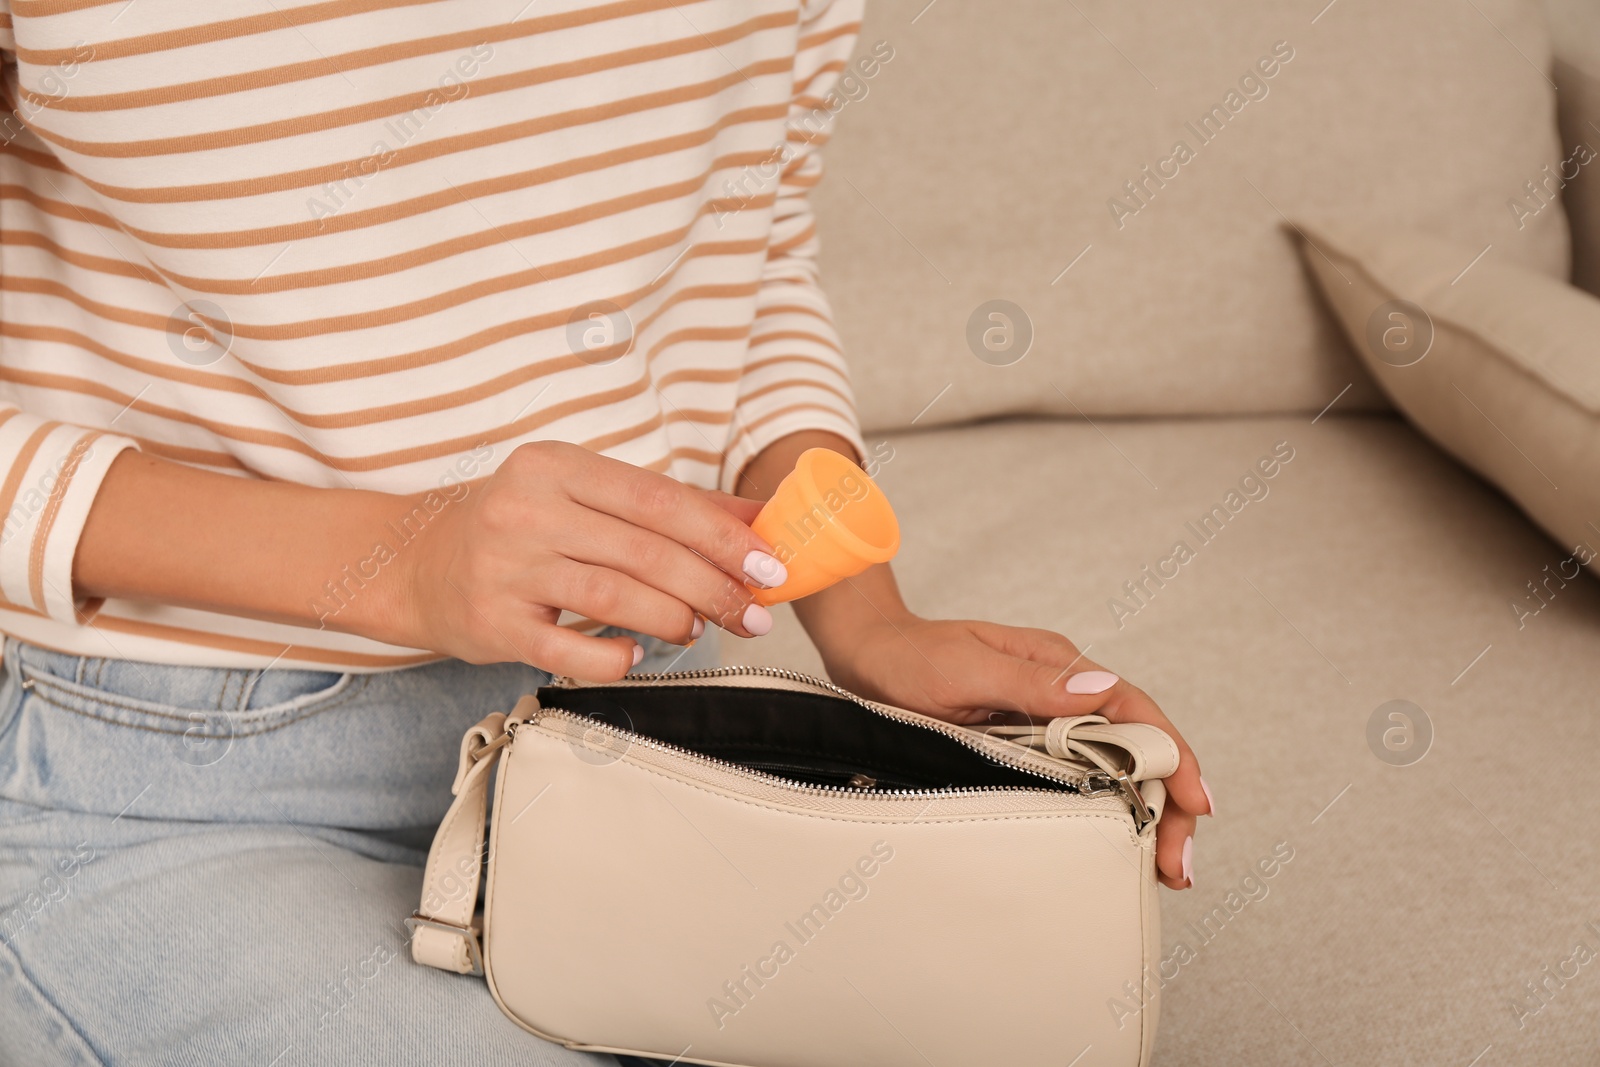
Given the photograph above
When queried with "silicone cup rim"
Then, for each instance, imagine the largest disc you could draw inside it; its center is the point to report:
(806, 467)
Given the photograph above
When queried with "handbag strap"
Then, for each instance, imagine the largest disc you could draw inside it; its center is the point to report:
(444, 929)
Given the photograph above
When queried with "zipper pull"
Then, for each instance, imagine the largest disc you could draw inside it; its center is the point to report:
(1141, 811)
(1099, 784)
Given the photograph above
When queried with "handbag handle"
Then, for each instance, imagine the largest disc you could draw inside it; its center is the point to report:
(444, 928)
(1139, 750)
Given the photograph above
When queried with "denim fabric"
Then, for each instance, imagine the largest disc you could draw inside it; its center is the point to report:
(204, 866)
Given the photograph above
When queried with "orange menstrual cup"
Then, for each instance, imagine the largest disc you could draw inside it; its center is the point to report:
(826, 521)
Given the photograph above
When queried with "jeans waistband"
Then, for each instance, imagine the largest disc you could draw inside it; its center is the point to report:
(140, 740)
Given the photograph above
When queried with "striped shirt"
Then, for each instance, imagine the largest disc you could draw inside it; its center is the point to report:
(379, 244)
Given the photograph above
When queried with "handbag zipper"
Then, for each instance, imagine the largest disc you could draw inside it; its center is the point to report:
(1089, 789)
(1090, 784)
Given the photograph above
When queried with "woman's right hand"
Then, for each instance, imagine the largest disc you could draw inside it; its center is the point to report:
(559, 527)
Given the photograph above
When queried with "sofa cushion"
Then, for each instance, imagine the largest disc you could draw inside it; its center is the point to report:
(985, 158)
(1494, 362)
(1575, 26)
(1372, 569)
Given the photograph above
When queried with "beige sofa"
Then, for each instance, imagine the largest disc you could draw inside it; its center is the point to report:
(1176, 342)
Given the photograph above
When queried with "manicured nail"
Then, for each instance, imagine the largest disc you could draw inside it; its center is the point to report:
(638, 654)
(1211, 801)
(1188, 861)
(757, 620)
(1089, 682)
(765, 570)
(700, 628)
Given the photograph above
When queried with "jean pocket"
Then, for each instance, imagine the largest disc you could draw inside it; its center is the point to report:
(202, 706)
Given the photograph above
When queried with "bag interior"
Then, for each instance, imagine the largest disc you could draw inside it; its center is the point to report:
(805, 737)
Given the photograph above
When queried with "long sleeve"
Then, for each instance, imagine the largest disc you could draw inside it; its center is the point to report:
(52, 472)
(404, 248)
(795, 377)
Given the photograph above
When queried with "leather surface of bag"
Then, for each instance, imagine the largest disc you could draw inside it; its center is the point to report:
(746, 866)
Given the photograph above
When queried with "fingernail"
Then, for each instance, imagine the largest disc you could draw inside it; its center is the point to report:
(638, 654)
(1087, 682)
(1188, 861)
(765, 570)
(1211, 801)
(699, 629)
(757, 620)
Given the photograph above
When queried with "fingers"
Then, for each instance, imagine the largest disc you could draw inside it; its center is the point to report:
(1026, 642)
(742, 508)
(1054, 679)
(531, 635)
(566, 652)
(1185, 788)
(1187, 795)
(1175, 849)
(689, 580)
(1041, 689)
(686, 515)
(617, 599)
(1048, 677)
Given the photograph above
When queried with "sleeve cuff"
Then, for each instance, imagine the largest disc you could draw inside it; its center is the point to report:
(782, 423)
(56, 471)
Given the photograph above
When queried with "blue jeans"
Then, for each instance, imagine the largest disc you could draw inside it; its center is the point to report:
(203, 866)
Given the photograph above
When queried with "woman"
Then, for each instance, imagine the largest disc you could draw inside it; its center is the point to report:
(346, 346)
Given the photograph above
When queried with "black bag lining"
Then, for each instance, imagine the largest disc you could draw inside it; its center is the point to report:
(807, 737)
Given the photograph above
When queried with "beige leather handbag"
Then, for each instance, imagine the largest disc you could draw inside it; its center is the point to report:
(747, 866)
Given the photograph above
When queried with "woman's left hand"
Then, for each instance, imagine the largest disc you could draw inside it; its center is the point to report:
(968, 672)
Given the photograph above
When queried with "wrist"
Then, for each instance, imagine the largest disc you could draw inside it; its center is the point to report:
(767, 468)
(841, 618)
(369, 588)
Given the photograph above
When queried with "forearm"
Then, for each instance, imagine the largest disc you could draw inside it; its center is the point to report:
(833, 616)
(166, 532)
(170, 533)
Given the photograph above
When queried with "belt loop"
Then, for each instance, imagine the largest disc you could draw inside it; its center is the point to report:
(227, 700)
(14, 665)
(248, 687)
